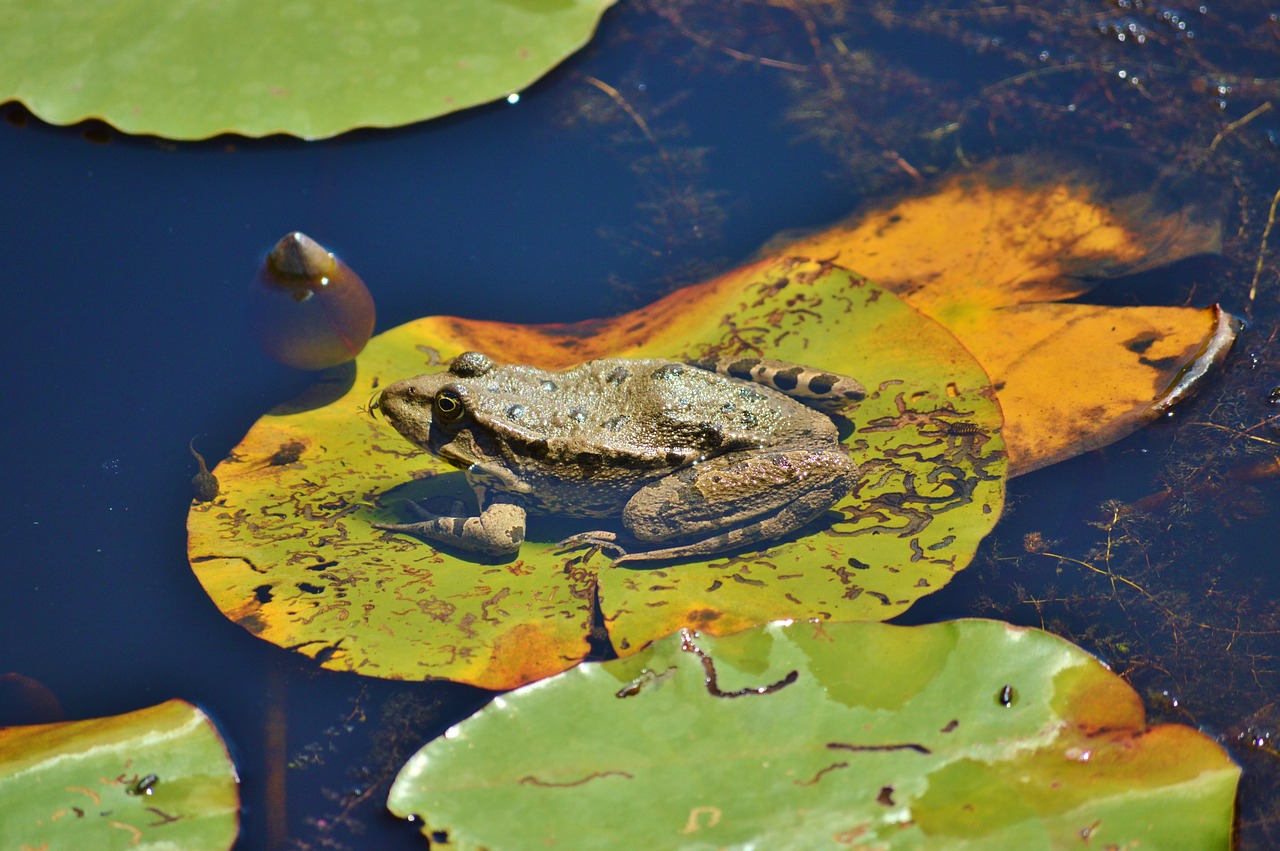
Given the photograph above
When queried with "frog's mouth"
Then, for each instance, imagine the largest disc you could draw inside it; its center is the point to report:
(449, 452)
(456, 455)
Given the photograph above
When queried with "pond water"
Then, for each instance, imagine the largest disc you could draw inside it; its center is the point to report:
(127, 265)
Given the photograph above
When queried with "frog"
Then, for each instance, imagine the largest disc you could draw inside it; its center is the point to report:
(696, 457)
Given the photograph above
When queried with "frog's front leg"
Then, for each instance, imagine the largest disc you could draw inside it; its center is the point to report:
(730, 501)
(497, 530)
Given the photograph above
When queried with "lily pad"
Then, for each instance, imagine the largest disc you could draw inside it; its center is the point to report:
(156, 778)
(994, 253)
(312, 69)
(289, 551)
(969, 734)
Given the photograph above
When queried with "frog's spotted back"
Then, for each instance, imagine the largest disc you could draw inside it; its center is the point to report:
(825, 391)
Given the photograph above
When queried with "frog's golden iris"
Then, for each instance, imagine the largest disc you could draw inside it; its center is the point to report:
(449, 406)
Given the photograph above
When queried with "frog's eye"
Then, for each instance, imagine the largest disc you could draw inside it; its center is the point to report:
(448, 406)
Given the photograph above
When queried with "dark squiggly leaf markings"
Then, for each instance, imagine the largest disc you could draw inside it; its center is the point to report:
(813, 781)
(530, 780)
(709, 666)
(906, 746)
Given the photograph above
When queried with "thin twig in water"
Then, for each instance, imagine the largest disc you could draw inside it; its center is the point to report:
(1173, 619)
(616, 97)
(1237, 124)
(672, 17)
(1262, 249)
(1237, 432)
(836, 89)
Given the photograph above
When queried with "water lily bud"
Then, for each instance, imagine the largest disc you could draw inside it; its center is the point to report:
(307, 308)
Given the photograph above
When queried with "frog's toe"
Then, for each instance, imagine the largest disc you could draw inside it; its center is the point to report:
(437, 507)
(426, 518)
(410, 528)
(597, 541)
(594, 539)
(419, 510)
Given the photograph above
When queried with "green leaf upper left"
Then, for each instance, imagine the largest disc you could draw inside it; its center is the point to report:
(190, 70)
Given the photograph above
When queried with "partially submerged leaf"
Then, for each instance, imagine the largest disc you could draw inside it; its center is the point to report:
(27, 701)
(969, 734)
(156, 778)
(991, 253)
(312, 69)
(289, 552)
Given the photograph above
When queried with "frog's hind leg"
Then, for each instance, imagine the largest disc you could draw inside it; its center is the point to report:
(497, 531)
(817, 388)
(735, 500)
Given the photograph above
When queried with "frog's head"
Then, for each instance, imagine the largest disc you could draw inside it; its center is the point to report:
(433, 412)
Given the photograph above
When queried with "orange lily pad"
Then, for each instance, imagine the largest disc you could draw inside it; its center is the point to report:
(289, 551)
(993, 253)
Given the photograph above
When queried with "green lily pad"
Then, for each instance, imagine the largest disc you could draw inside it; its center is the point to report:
(312, 69)
(289, 551)
(156, 778)
(970, 734)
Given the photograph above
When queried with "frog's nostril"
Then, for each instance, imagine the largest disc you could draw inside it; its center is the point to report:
(398, 398)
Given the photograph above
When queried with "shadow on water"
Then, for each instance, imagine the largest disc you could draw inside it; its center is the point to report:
(332, 385)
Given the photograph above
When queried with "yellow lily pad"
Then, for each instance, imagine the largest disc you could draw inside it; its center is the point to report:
(289, 550)
(993, 253)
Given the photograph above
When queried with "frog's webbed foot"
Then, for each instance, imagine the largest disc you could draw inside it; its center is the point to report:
(598, 541)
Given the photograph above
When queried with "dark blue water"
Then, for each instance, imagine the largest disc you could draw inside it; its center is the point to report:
(126, 266)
